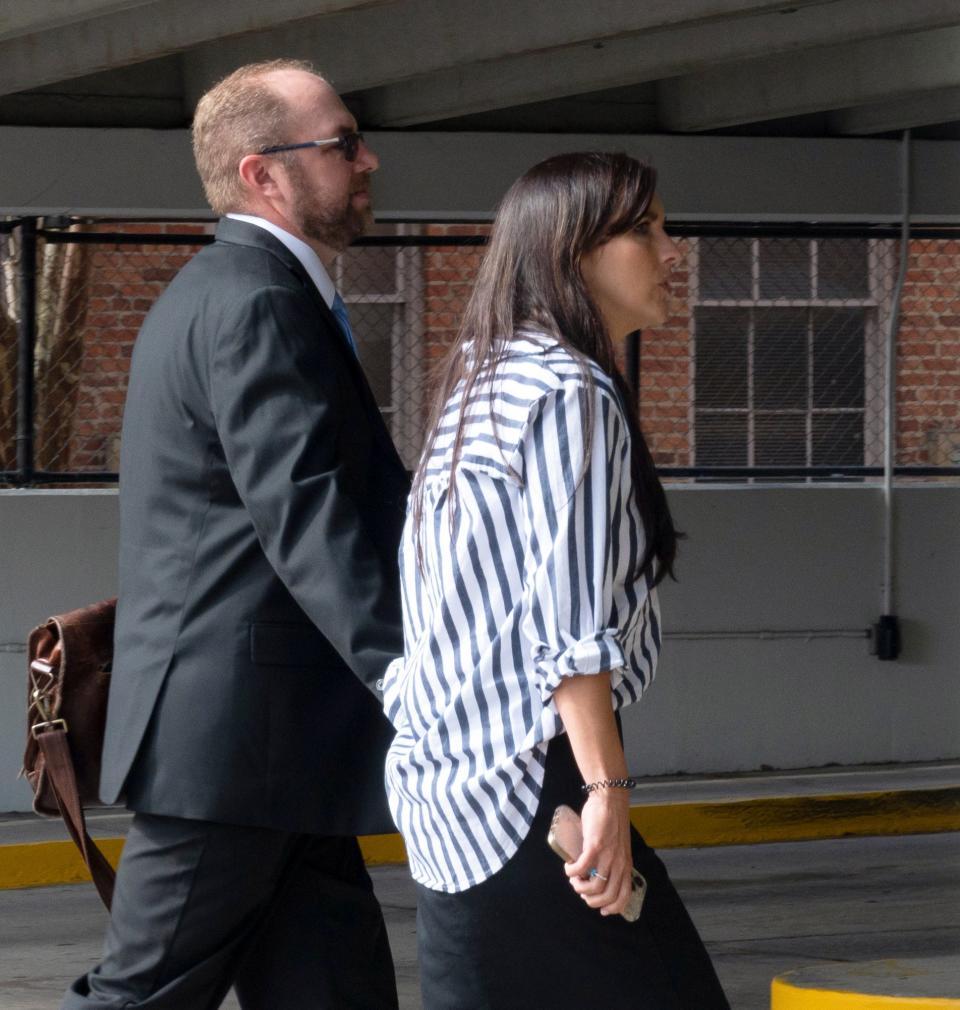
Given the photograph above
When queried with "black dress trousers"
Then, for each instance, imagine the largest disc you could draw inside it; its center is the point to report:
(289, 920)
(524, 939)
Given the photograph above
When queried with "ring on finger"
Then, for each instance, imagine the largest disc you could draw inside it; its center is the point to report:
(594, 872)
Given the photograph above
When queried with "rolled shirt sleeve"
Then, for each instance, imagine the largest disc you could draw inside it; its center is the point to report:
(584, 534)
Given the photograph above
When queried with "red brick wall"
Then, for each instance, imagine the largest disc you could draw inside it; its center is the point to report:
(448, 273)
(928, 353)
(665, 382)
(125, 280)
(666, 376)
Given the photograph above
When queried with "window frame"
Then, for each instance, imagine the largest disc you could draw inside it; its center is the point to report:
(876, 307)
(403, 415)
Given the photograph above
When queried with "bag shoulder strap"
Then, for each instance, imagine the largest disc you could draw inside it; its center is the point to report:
(59, 765)
(89, 631)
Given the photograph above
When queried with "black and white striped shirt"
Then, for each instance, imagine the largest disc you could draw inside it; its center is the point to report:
(529, 583)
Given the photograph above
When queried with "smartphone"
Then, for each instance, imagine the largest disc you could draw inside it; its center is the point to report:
(565, 837)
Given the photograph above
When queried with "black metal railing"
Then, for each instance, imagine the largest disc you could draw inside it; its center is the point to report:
(769, 369)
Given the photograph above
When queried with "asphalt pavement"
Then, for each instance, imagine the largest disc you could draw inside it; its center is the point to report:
(762, 909)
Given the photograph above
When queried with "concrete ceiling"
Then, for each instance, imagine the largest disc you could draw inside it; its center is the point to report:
(804, 68)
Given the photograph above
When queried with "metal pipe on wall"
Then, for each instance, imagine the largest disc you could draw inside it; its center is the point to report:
(768, 635)
(887, 630)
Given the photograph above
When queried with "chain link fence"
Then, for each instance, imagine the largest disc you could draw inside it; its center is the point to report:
(74, 296)
(774, 358)
(770, 367)
(12, 338)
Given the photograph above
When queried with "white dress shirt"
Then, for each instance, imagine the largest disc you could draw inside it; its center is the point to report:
(309, 260)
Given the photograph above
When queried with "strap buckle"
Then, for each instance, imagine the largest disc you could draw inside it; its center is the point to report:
(41, 676)
(45, 727)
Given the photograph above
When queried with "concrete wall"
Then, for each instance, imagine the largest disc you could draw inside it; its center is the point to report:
(462, 176)
(58, 550)
(758, 560)
(808, 561)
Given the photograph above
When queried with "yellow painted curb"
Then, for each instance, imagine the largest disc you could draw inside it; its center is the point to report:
(38, 863)
(787, 992)
(787, 997)
(665, 826)
(799, 818)
(380, 849)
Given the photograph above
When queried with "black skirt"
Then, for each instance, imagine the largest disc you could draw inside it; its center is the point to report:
(524, 940)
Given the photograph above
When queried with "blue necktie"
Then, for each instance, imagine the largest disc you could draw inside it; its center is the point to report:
(340, 311)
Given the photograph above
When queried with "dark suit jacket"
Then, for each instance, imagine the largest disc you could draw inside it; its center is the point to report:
(261, 502)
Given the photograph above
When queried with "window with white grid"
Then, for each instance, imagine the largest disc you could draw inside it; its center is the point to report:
(786, 351)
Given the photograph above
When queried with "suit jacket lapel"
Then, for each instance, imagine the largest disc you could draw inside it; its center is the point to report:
(244, 233)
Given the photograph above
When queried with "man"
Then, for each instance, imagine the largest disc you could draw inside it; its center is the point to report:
(261, 502)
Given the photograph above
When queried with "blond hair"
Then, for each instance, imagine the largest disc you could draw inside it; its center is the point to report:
(240, 115)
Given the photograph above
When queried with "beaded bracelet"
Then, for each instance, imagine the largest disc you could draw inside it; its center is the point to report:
(590, 787)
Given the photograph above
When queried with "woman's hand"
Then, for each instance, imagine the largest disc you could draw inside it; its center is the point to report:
(606, 849)
(585, 707)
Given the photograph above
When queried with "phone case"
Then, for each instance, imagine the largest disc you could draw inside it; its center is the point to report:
(565, 837)
(637, 893)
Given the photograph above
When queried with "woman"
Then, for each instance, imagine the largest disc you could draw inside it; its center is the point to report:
(536, 534)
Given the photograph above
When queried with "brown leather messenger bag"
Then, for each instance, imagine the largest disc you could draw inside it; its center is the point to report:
(68, 669)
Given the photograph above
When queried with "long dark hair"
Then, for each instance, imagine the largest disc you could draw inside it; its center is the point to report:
(530, 278)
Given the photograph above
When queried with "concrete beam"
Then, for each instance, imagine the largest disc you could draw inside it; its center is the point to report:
(599, 64)
(41, 15)
(364, 49)
(462, 176)
(923, 109)
(861, 73)
(36, 108)
(146, 95)
(132, 35)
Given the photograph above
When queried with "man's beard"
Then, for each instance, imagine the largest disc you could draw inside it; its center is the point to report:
(322, 220)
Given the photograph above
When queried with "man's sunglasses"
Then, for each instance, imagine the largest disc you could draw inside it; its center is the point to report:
(349, 143)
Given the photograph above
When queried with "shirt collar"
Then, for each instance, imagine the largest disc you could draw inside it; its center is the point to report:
(309, 260)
